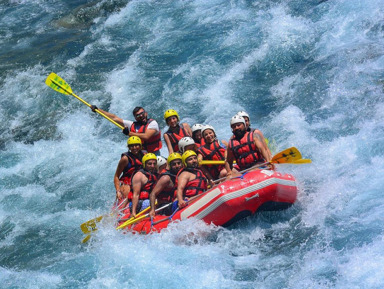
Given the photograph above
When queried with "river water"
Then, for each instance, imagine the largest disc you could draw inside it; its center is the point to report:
(309, 73)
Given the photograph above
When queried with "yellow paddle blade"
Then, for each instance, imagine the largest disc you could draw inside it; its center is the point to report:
(90, 226)
(286, 156)
(57, 83)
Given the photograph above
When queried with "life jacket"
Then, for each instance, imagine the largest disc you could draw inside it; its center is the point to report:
(214, 152)
(174, 137)
(134, 164)
(245, 151)
(148, 187)
(196, 186)
(167, 194)
(154, 143)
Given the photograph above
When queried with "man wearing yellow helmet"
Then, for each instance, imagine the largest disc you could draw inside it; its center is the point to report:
(191, 181)
(165, 188)
(143, 182)
(176, 130)
(130, 162)
(145, 128)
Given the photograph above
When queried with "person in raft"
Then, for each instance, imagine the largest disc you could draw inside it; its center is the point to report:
(244, 147)
(147, 129)
(191, 181)
(187, 144)
(196, 134)
(176, 130)
(165, 188)
(129, 163)
(212, 150)
(256, 131)
(161, 164)
(143, 182)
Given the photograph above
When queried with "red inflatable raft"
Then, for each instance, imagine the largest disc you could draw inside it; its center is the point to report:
(232, 200)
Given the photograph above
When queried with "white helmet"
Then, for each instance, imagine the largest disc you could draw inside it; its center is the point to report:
(185, 141)
(161, 161)
(237, 119)
(243, 113)
(196, 127)
(207, 126)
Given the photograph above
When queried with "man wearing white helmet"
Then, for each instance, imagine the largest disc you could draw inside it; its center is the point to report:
(244, 147)
(187, 144)
(257, 132)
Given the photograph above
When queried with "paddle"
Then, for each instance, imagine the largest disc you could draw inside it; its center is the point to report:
(57, 83)
(291, 155)
(86, 239)
(134, 220)
(288, 156)
(90, 226)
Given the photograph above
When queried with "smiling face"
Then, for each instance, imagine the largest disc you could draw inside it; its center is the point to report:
(192, 162)
(176, 165)
(134, 148)
(209, 135)
(151, 166)
(238, 129)
(141, 116)
(172, 121)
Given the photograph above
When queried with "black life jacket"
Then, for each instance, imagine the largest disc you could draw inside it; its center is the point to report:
(174, 137)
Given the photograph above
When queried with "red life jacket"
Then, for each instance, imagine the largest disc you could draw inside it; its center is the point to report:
(154, 143)
(174, 137)
(245, 151)
(148, 187)
(215, 152)
(167, 194)
(196, 186)
(134, 164)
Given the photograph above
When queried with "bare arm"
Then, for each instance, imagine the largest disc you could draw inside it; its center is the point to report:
(113, 117)
(187, 129)
(262, 139)
(168, 142)
(261, 148)
(229, 162)
(182, 181)
(161, 184)
(120, 167)
(137, 182)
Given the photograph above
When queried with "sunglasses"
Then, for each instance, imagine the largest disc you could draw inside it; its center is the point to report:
(140, 114)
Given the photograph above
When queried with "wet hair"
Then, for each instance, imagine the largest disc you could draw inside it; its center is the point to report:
(136, 109)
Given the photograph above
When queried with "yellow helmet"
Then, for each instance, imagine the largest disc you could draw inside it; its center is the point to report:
(186, 155)
(133, 140)
(173, 156)
(147, 157)
(169, 113)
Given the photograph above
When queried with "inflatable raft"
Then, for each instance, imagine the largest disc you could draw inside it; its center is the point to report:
(230, 201)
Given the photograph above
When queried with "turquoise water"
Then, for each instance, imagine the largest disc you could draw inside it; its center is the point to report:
(311, 75)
